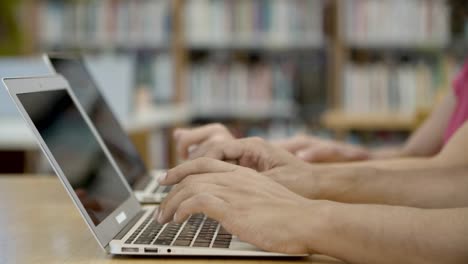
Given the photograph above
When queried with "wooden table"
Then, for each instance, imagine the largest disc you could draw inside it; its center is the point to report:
(39, 224)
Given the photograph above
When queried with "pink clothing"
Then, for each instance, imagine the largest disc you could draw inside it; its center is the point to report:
(460, 115)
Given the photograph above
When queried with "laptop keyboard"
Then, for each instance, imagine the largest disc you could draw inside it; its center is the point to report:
(197, 231)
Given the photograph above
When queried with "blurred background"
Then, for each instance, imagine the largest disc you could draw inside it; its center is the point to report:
(363, 71)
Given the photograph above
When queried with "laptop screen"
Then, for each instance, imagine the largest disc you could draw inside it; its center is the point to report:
(117, 141)
(77, 151)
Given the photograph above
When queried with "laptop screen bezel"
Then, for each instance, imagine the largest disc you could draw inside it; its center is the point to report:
(136, 184)
(110, 226)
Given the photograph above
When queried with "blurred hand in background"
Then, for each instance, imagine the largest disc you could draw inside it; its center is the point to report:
(195, 142)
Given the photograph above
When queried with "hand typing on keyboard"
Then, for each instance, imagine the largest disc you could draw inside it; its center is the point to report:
(242, 200)
(274, 162)
(191, 143)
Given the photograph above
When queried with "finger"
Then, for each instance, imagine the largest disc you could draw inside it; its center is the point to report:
(191, 149)
(210, 205)
(207, 178)
(188, 137)
(170, 204)
(214, 143)
(306, 155)
(215, 150)
(241, 150)
(203, 148)
(321, 154)
(355, 154)
(292, 145)
(197, 166)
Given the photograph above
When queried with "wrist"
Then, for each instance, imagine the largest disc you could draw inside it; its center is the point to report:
(318, 225)
(310, 180)
(340, 184)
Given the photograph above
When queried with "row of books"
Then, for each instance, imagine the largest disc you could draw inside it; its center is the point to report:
(88, 24)
(385, 88)
(397, 23)
(215, 85)
(378, 139)
(254, 23)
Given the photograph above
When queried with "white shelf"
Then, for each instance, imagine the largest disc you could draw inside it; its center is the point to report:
(16, 135)
(155, 117)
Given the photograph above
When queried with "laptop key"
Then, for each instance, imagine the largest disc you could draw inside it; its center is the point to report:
(182, 243)
(168, 234)
(201, 244)
(223, 239)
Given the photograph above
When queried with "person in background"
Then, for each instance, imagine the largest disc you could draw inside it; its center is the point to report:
(426, 141)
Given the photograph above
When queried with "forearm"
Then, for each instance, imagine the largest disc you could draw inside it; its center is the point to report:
(388, 153)
(423, 188)
(387, 234)
(397, 164)
(427, 140)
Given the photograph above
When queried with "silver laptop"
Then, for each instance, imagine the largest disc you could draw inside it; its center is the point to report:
(97, 186)
(143, 182)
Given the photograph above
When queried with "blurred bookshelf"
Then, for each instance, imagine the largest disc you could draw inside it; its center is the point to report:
(246, 63)
(206, 54)
(258, 66)
(262, 67)
(393, 61)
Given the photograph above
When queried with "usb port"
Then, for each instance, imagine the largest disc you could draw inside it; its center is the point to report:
(151, 250)
(129, 249)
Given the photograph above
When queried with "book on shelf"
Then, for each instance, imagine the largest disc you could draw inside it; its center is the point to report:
(106, 23)
(311, 85)
(404, 89)
(396, 23)
(254, 23)
(235, 87)
(378, 139)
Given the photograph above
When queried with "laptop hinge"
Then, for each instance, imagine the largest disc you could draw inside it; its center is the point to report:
(129, 225)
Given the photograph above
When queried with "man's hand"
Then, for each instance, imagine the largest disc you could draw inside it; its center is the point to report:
(246, 203)
(274, 162)
(314, 149)
(192, 141)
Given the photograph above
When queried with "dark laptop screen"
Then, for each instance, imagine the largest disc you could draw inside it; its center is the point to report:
(77, 151)
(115, 138)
